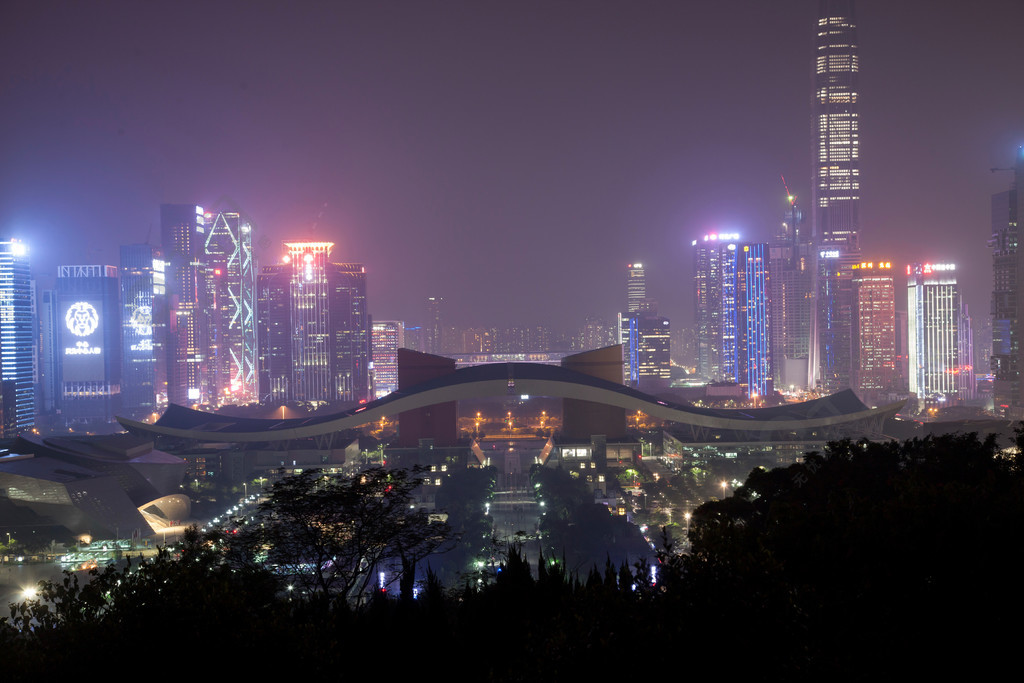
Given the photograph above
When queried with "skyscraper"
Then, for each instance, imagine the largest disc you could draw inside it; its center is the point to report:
(1007, 301)
(731, 286)
(388, 337)
(836, 187)
(89, 367)
(636, 288)
(314, 328)
(939, 372)
(16, 338)
(143, 327)
(433, 330)
(836, 119)
(874, 332)
(792, 284)
(229, 272)
(182, 231)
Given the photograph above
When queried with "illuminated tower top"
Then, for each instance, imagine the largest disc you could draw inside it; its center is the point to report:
(836, 126)
(636, 288)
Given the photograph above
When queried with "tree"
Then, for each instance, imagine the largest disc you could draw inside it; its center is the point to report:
(331, 535)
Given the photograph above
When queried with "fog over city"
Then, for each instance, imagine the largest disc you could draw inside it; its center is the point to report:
(510, 157)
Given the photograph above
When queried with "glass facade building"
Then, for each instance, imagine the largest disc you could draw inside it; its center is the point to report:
(16, 338)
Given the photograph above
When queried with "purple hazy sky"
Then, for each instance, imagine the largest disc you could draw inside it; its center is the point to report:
(511, 157)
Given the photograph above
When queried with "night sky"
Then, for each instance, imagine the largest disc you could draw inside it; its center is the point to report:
(511, 157)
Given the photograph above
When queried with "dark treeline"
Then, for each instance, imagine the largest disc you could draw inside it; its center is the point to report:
(866, 561)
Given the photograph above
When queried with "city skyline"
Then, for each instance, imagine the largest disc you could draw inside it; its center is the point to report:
(534, 135)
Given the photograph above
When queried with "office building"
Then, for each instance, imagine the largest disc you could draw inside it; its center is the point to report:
(16, 338)
(314, 329)
(653, 363)
(89, 365)
(732, 291)
(433, 329)
(183, 232)
(792, 285)
(937, 337)
(1007, 304)
(388, 337)
(143, 329)
(274, 334)
(836, 191)
(874, 333)
(636, 288)
(229, 278)
(753, 328)
(49, 331)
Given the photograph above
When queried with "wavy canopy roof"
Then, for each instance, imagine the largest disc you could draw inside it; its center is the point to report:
(501, 379)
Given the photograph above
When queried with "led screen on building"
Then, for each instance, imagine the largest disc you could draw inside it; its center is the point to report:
(81, 348)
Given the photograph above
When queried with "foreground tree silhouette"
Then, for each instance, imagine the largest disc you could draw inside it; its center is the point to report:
(331, 535)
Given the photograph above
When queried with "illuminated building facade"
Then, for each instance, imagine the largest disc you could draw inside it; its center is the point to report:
(629, 339)
(229, 279)
(653, 363)
(388, 337)
(183, 234)
(1007, 303)
(753, 327)
(874, 334)
(89, 352)
(835, 319)
(837, 123)
(16, 338)
(732, 290)
(636, 288)
(937, 338)
(143, 328)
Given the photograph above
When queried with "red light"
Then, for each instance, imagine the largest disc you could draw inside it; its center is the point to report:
(216, 271)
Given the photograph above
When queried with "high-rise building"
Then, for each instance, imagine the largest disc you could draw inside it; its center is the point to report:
(89, 368)
(49, 332)
(936, 335)
(433, 330)
(274, 334)
(654, 367)
(388, 337)
(229, 277)
(16, 339)
(836, 188)
(874, 332)
(314, 328)
(183, 231)
(732, 286)
(636, 288)
(753, 328)
(143, 328)
(837, 126)
(792, 285)
(1007, 302)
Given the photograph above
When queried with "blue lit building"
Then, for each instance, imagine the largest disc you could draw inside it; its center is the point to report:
(753, 350)
(731, 283)
(16, 338)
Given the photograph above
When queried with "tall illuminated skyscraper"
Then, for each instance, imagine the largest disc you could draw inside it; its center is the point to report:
(732, 290)
(836, 187)
(836, 119)
(792, 285)
(314, 328)
(16, 338)
(183, 232)
(229, 274)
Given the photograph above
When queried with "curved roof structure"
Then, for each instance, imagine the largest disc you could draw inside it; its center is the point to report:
(502, 379)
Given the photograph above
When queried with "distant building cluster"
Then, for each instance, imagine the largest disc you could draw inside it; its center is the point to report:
(196, 321)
